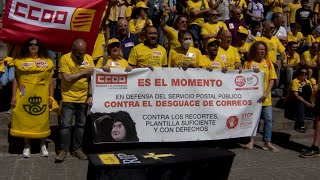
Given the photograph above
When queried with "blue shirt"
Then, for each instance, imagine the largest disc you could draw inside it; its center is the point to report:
(127, 44)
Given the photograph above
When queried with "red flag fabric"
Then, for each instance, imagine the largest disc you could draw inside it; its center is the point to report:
(56, 23)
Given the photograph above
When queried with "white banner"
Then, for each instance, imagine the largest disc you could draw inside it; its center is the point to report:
(169, 104)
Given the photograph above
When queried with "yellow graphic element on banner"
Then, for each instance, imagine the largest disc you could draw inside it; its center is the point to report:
(158, 156)
(109, 159)
(82, 19)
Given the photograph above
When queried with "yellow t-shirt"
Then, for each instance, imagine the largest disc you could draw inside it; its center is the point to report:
(75, 91)
(274, 47)
(128, 11)
(229, 57)
(276, 6)
(120, 63)
(98, 49)
(199, 5)
(269, 74)
(292, 8)
(239, 3)
(142, 56)
(296, 86)
(292, 60)
(208, 28)
(172, 36)
(246, 46)
(295, 38)
(138, 24)
(306, 57)
(216, 63)
(114, 12)
(178, 56)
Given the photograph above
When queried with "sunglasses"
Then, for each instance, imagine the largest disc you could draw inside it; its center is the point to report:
(33, 44)
(213, 14)
(303, 73)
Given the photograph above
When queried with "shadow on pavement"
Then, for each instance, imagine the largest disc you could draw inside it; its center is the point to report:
(283, 140)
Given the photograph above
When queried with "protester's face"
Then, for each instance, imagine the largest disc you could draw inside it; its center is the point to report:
(226, 39)
(293, 48)
(186, 37)
(303, 74)
(214, 16)
(79, 51)
(213, 48)
(114, 49)
(152, 35)
(182, 24)
(0, 22)
(118, 131)
(305, 5)
(279, 20)
(242, 37)
(261, 51)
(269, 29)
(33, 47)
(236, 14)
(123, 27)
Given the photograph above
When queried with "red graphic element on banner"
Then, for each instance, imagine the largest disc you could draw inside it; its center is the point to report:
(240, 81)
(232, 122)
(111, 79)
(56, 23)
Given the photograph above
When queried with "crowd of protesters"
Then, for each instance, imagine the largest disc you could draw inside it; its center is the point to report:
(210, 34)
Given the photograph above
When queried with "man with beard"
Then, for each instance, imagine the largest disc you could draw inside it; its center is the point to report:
(127, 39)
(148, 54)
(227, 53)
(210, 60)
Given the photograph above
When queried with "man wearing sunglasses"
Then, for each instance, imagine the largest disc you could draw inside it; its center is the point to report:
(211, 28)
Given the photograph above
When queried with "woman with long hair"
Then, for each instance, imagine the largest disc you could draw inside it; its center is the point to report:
(258, 62)
(32, 95)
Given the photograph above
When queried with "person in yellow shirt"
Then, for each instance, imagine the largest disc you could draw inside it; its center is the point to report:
(196, 10)
(243, 46)
(295, 35)
(299, 99)
(171, 33)
(291, 9)
(210, 60)
(150, 53)
(227, 53)
(140, 20)
(275, 7)
(291, 63)
(211, 28)
(184, 56)
(32, 95)
(242, 4)
(274, 47)
(309, 58)
(114, 59)
(258, 62)
(75, 68)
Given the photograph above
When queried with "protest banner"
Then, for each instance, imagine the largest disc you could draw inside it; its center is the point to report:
(169, 104)
(56, 23)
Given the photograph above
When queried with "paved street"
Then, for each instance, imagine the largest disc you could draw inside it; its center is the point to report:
(248, 164)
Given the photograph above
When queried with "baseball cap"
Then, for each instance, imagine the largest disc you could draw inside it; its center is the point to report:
(243, 30)
(141, 5)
